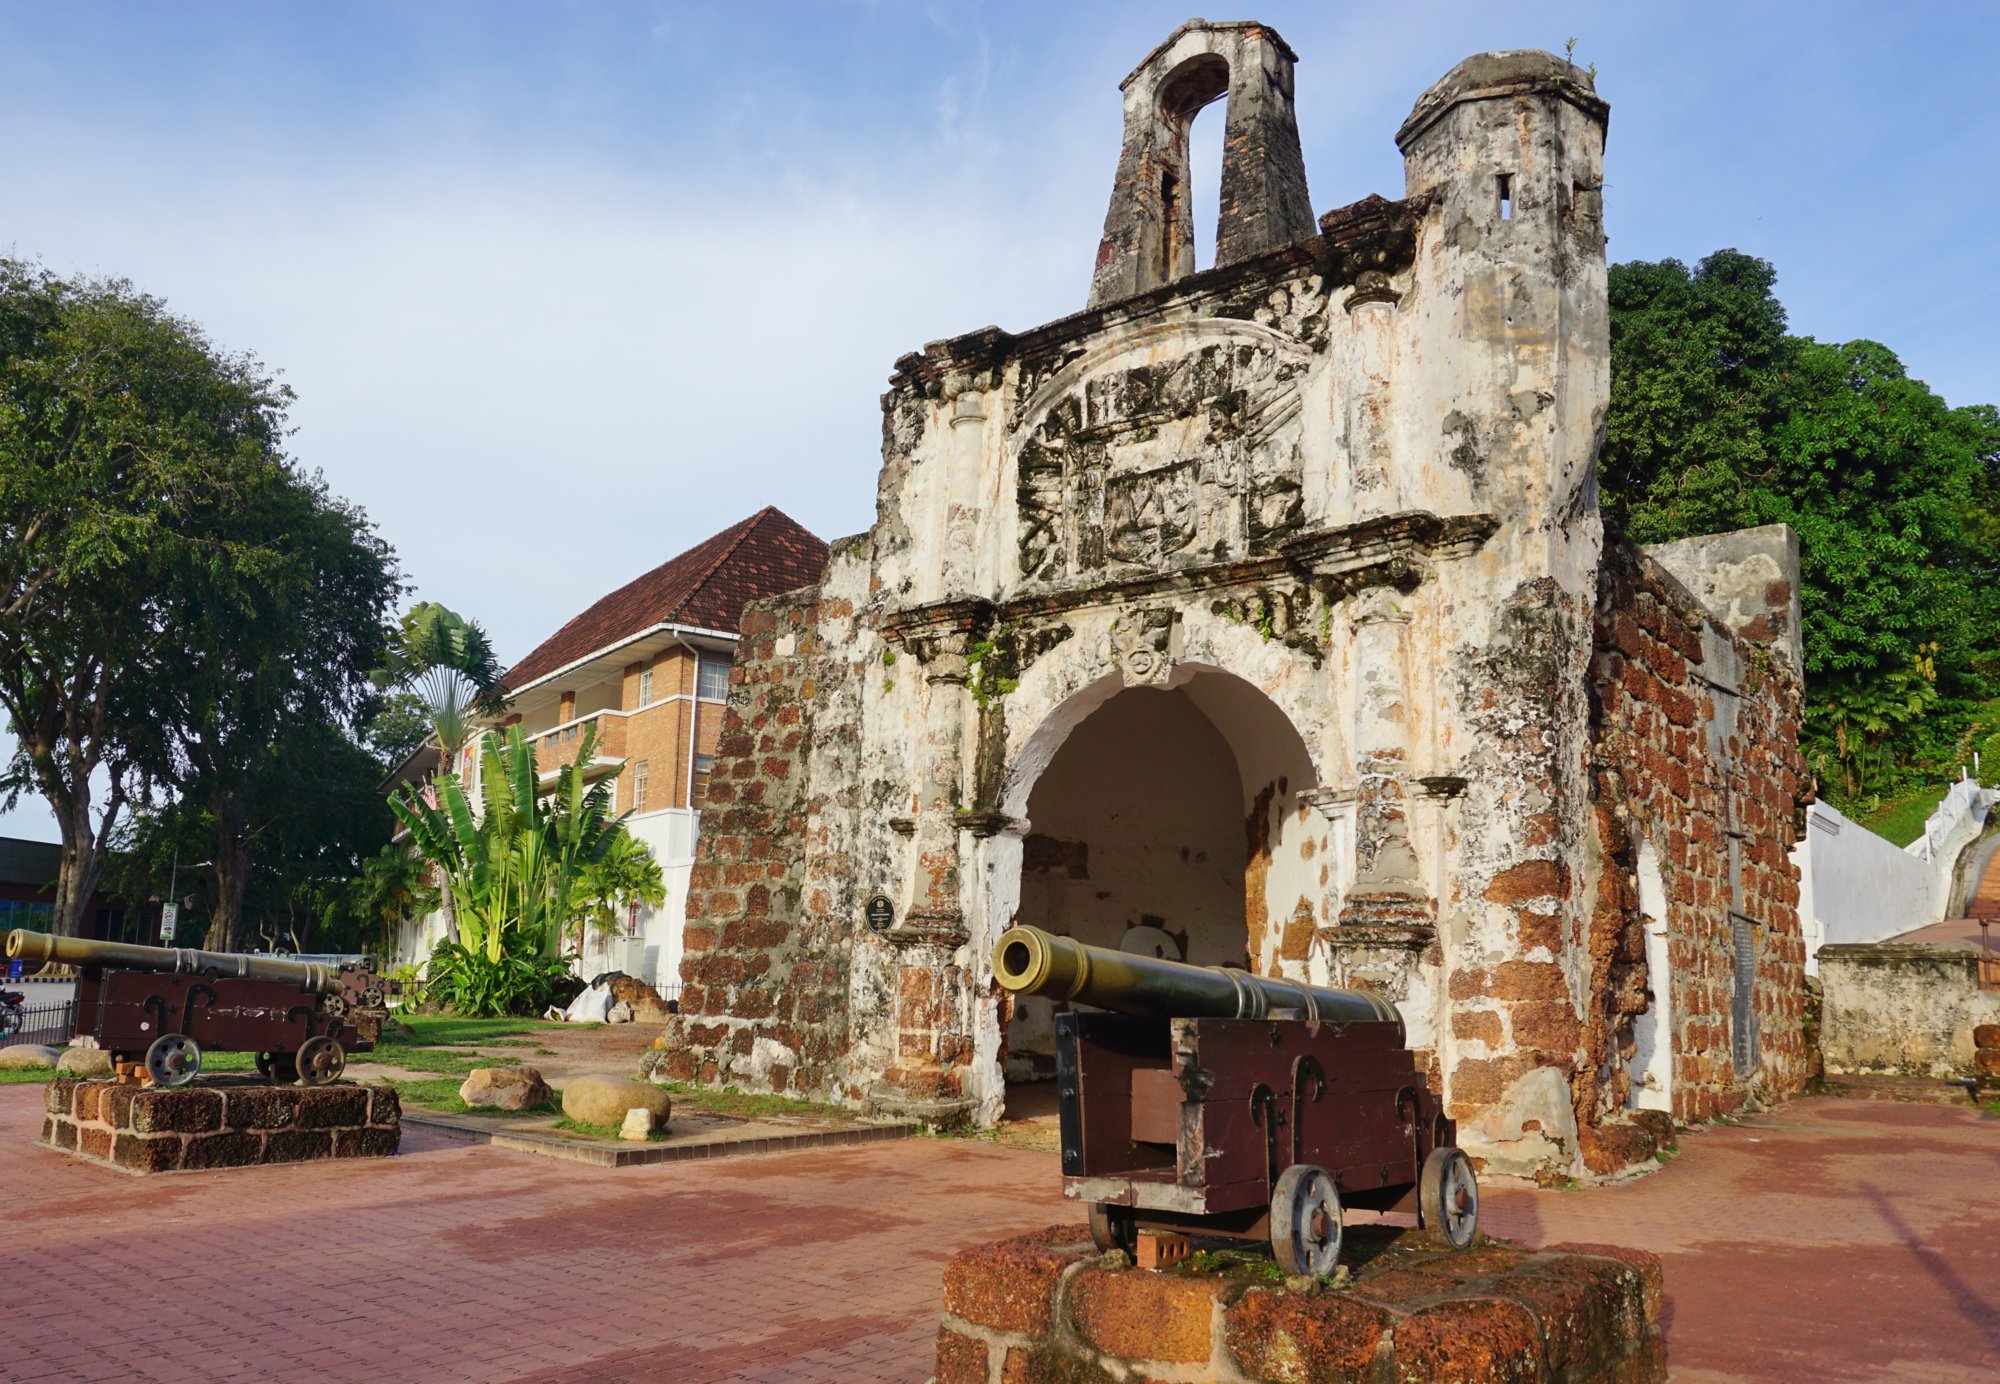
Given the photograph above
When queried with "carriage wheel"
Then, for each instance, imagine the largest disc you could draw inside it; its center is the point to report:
(173, 1060)
(1113, 1227)
(1448, 1197)
(1305, 1221)
(320, 1060)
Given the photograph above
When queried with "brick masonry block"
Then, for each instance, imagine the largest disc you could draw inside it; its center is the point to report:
(1010, 1286)
(1651, 1286)
(960, 1359)
(366, 1143)
(186, 1110)
(1491, 1341)
(1292, 1339)
(228, 1149)
(298, 1145)
(261, 1107)
(147, 1153)
(59, 1096)
(330, 1107)
(1045, 1364)
(1145, 1316)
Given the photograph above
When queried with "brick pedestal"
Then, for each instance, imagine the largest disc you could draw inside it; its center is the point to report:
(221, 1124)
(1046, 1308)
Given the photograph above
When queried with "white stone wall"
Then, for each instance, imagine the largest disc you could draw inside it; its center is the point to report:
(1856, 887)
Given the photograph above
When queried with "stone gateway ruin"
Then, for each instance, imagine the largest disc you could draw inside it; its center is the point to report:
(1264, 617)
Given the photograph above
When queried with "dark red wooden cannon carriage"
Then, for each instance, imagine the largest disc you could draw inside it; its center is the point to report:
(1226, 1104)
(162, 1006)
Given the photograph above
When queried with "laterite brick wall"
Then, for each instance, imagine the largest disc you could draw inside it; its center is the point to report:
(763, 982)
(1697, 770)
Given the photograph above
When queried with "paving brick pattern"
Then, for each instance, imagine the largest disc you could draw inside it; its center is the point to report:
(1830, 1240)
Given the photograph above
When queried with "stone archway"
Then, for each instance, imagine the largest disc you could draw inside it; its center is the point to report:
(1172, 820)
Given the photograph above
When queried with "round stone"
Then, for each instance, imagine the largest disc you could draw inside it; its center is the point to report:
(27, 1057)
(603, 1100)
(85, 1062)
(505, 1088)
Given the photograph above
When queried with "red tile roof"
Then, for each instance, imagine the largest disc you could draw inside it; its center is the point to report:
(706, 586)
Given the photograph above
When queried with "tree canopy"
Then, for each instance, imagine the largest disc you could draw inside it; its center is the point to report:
(179, 602)
(1722, 419)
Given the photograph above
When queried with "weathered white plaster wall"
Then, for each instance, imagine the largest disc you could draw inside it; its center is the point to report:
(1905, 1009)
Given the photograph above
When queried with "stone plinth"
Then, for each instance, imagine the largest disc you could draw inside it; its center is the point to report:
(1048, 1307)
(221, 1124)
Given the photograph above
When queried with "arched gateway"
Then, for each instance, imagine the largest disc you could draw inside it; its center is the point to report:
(1265, 616)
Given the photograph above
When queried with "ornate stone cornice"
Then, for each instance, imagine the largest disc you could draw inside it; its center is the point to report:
(1394, 550)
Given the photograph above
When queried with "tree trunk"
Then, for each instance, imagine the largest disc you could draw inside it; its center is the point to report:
(446, 904)
(232, 878)
(77, 871)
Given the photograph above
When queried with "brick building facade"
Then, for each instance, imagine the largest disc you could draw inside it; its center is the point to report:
(1264, 616)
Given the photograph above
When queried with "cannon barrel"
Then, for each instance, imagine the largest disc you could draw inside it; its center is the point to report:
(1029, 961)
(311, 976)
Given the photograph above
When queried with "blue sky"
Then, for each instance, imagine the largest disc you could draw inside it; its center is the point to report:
(627, 272)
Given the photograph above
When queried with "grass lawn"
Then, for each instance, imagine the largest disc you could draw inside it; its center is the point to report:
(1902, 821)
(749, 1107)
(598, 1131)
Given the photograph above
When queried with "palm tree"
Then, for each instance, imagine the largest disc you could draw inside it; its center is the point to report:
(447, 663)
(625, 873)
(391, 887)
(532, 859)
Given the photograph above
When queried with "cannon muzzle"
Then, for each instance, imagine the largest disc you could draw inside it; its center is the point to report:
(310, 976)
(1029, 961)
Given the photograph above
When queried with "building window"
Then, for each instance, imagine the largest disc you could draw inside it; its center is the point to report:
(713, 683)
(646, 688)
(26, 915)
(704, 764)
(639, 785)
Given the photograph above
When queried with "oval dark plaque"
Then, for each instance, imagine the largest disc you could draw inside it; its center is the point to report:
(881, 913)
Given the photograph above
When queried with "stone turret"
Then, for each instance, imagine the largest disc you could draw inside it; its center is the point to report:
(1149, 230)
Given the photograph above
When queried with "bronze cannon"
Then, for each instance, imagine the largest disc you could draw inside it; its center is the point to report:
(161, 1007)
(1215, 1102)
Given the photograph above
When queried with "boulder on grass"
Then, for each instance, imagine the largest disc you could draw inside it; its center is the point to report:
(603, 1100)
(84, 1062)
(27, 1057)
(505, 1088)
(638, 1125)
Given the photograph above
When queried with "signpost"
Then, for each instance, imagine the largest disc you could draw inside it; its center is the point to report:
(169, 916)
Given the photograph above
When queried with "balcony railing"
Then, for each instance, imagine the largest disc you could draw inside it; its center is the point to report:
(557, 747)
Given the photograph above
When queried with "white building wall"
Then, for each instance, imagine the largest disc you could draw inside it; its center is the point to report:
(1855, 886)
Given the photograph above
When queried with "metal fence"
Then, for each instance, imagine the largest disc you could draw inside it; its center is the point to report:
(40, 1023)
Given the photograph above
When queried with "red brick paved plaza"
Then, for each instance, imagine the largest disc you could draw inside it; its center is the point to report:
(1828, 1240)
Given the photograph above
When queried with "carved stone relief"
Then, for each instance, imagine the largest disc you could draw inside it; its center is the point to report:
(1161, 457)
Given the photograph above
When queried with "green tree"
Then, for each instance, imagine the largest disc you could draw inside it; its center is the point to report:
(624, 875)
(126, 440)
(446, 664)
(272, 660)
(1721, 419)
(391, 885)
